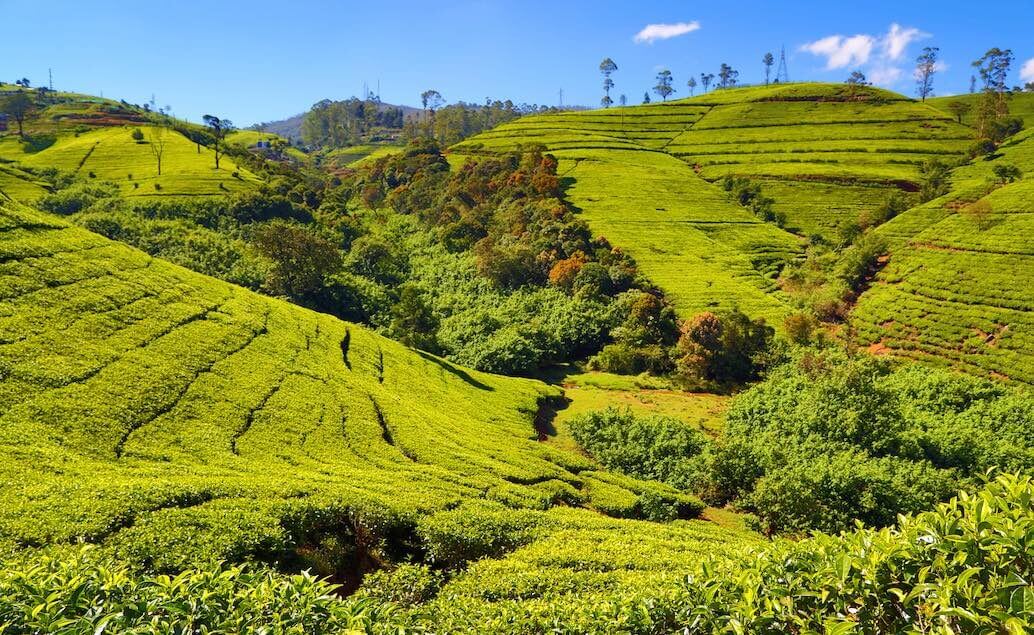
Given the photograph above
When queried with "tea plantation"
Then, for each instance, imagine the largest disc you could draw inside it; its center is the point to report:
(645, 177)
(957, 288)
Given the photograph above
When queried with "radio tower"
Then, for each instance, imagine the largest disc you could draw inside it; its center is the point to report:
(782, 75)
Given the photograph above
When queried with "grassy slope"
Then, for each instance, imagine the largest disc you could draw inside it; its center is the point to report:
(641, 176)
(179, 419)
(1020, 105)
(93, 135)
(957, 290)
(112, 154)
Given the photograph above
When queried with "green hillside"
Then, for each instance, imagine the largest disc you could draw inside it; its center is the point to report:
(143, 403)
(645, 177)
(1020, 105)
(957, 290)
(92, 138)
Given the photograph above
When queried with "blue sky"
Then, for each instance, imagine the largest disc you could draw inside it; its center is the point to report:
(261, 60)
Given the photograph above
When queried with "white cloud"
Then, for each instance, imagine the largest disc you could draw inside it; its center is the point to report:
(898, 39)
(1027, 72)
(841, 51)
(653, 32)
(878, 53)
(884, 75)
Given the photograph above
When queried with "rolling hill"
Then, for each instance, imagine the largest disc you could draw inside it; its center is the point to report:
(178, 420)
(646, 177)
(957, 288)
(93, 138)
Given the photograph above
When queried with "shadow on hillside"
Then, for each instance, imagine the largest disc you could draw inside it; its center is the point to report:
(565, 184)
(455, 370)
(546, 415)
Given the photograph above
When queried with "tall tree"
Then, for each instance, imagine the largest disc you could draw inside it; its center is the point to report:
(664, 87)
(17, 106)
(972, 84)
(706, 79)
(623, 100)
(219, 129)
(646, 98)
(607, 66)
(432, 101)
(692, 84)
(157, 139)
(993, 69)
(926, 66)
(768, 60)
(727, 76)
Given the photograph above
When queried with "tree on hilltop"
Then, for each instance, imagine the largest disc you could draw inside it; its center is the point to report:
(24, 82)
(706, 79)
(664, 87)
(646, 98)
(993, 108)
(219, 129)
(993, 69)
(17, 106)
(857, 78)
(623, 100)
(768, 60)
(926, 66)
(607, 66)
(692, 84)
(727, 76)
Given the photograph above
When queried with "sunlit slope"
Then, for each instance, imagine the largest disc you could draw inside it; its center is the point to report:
(701, 248)
(142, 403)
(1020, 105)
(958, 288)
(825, 152)
(112, 154)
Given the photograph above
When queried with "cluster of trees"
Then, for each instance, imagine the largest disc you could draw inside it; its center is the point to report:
(664, 87)
(452, 123)
(827, 439)
(337, 124)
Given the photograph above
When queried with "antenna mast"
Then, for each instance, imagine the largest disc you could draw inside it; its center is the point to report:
(782, 75)
(50, 74)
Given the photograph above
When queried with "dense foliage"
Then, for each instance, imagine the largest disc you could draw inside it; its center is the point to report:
(826, 440)
(962, 568)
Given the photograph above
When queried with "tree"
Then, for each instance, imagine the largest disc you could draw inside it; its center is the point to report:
(623, 100)
(727, 76)
(972, 84)
(705, 80)
(158, 144)
(607, 66)
(24, 82)
(993, 69)
(857, 78)
(646, 98)
(17, 106)
(663, 87)
(1006, 173)
(768, 60)
(302, 259)
(959, 109)
(219, 129)
(692, 84)
(926, 66)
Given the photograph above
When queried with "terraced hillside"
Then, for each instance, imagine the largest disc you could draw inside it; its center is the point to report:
(644, 177)
(1020, 105)
(957, 290)
(176, 419)
(91, 137)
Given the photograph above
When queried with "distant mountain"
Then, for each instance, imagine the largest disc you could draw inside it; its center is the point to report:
(291, 128)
